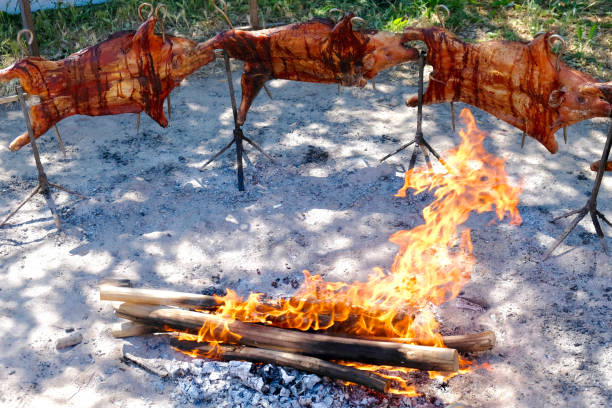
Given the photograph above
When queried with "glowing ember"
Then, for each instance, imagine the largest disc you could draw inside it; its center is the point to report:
(433, 264)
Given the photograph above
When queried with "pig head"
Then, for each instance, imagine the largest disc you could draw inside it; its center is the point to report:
(580, 97)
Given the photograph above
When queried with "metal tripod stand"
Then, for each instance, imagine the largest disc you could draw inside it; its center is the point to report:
(238, 134)
(419, 141)
(44, 184)
(590, 207)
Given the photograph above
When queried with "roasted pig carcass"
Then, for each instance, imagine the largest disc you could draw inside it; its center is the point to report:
(319, 51)
(130, 72)
(525, 85)
(595, 166)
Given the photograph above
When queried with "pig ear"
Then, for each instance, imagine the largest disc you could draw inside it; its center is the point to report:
(556, 98)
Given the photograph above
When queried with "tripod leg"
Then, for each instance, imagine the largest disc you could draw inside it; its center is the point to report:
(413, 158)
(426, 155)
(567, 231)
(256, 146)
(240, 170)
(600, 234)
(51, 204)
(68, 191)
(218, 154)
(568, 214)
(603, 217)
(397, 151)
(59, 139)
(28, 198)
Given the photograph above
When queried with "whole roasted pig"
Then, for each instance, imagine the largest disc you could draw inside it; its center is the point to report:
(319, 50)
(130, 72)
(525, 85)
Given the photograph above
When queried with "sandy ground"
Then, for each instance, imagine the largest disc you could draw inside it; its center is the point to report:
(327, 207)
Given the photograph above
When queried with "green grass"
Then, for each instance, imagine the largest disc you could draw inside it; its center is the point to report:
(586, 25)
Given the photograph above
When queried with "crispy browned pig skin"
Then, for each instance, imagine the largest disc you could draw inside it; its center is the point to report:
(315, 51)
(128, 73)
(519, 83)
(595, 166)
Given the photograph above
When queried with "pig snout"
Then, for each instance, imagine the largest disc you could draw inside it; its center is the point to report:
(586, 101)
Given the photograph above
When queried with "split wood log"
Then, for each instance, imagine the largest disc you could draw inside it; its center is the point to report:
(157, 297)
(316, 345)
(465, 343)
(130, 329)
(109, 290)
(353, 314)
(297, 361)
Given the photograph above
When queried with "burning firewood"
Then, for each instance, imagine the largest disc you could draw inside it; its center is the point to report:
(316, 345)
(526, 85)
(283, 358)
(463, 343)
(130, 72)
(157, 297)
(320, 50)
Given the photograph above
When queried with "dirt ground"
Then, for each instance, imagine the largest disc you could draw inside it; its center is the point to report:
(327, 207)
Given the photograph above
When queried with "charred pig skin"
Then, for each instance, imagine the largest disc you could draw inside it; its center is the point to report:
(516, 82)
(130, 72)
(318, 50)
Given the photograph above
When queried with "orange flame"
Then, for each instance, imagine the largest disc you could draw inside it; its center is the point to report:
(433, 263)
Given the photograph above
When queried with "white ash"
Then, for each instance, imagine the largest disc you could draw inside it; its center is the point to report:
(243, 384)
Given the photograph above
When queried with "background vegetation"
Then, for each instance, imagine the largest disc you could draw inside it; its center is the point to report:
(586, 25)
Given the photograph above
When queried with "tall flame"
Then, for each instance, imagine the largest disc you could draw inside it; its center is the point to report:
(434, 261)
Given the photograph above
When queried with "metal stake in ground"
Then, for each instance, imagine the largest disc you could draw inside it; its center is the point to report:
(419, 141)
(43, 182)
(238, 134)
(590, 206)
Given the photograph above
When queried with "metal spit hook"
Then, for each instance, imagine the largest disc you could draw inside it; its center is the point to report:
(551, 42)
(358, 23)
(336, 12)
(141, 7)
(443, 14)
(28, 41)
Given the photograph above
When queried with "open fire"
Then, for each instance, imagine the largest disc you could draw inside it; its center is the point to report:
(376, 331)
(433, 264)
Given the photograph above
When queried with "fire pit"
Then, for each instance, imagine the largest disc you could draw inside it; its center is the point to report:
(371, 328)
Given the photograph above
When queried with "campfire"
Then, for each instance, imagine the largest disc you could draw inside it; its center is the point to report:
(370, 333)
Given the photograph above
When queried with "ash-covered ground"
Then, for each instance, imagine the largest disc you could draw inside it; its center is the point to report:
(327, 207)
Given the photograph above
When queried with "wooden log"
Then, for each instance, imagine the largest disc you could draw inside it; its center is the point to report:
(316, 345)
(464, 343)
(130, 329)
(157, 297)
(297, 361)
(203, 302)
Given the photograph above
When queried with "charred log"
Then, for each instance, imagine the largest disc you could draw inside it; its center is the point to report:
(297, 361)
(316, 345)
